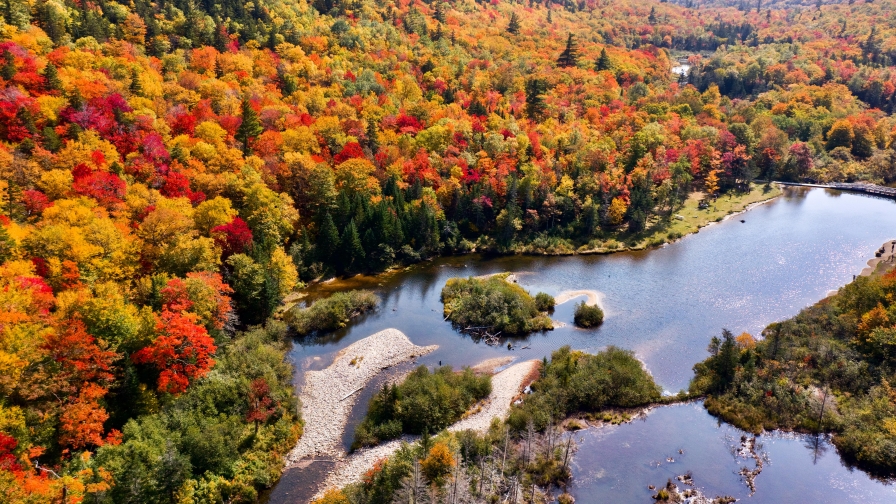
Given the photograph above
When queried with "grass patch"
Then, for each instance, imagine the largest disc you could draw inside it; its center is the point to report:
(492, 303)
(588, 316)
(425, 401)
(331, 313)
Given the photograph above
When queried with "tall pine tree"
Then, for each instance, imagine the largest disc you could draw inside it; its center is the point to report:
(514, 27)
(570, 56)
(250, 127)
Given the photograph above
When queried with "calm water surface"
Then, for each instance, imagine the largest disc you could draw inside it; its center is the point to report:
(615, 464)
(663, 304)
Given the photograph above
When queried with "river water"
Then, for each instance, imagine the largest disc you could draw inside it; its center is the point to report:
(664, 304)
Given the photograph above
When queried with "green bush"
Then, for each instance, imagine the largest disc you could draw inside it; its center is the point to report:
(423, 402)
(492, 303)
(588, 316)
(574, 382)
(544, 302)
(331, 313)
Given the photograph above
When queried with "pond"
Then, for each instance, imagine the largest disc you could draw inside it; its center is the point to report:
(664, 304)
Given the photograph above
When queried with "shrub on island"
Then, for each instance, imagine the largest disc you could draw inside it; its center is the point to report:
(545, 302)
(576, 382)
(331, 313)
(424, 401)
(588, 316)
(492, 303)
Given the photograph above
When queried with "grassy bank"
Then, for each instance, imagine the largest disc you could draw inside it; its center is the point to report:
(658, 230)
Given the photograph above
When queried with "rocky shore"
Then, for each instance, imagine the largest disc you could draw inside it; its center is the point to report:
(329, 395)
(506, 386)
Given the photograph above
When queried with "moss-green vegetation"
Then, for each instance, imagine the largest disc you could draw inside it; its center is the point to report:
(830, 368)
(331, 313)
(574, 382)
(492, 303)
(223, 439)
(530, 449)
(545, 302)
(424, 401)
(587, 315)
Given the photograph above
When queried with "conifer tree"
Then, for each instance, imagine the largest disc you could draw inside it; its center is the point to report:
(136, 88)
(352, 248)
(514, 27)
(570, 56)
(372, 142)
(51, 75)
(440, 12)
(535, 88)
(8, 70)
(550, 20)
(603, 61)
(250, 127)
(327, 240)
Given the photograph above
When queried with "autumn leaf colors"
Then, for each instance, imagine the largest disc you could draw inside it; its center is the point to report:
(170, 171)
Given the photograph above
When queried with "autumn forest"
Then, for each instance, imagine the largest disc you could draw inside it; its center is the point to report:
(171, 170)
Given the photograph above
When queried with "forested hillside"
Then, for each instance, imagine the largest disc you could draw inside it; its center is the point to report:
(171, 170)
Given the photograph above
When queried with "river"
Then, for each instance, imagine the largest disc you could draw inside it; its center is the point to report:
(664, 304)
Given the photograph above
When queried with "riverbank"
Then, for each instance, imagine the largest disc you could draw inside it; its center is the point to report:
(507, 385)
(689, 219)
(329, 395)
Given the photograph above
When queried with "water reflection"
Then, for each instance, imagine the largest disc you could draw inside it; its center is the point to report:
(617, 463)
(664, 304)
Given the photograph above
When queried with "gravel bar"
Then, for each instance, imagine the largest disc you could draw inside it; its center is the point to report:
(329, 395)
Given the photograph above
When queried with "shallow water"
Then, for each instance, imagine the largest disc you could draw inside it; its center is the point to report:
(663, 304)
(616, 463)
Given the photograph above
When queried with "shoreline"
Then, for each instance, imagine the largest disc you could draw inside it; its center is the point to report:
(355, 281)
(593, 297)
(328, 395)
(507, 385)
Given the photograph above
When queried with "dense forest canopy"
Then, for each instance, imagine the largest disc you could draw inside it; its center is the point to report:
(170, 170)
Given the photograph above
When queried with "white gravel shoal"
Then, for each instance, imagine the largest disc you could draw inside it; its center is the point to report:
(329, 394)
(505, 386)
(593, 297)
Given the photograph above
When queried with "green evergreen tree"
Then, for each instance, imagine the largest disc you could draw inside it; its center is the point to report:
(8, 70)
(535, 89)
(250, 127)
(51, 75)
(352, 248)
(570, 56)
(514, 27)
(550, 19)
(52, 142)
(371, 136)
(440, 12)
(603, 61)
(7, 245)
(135, 88)
(327, 240)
